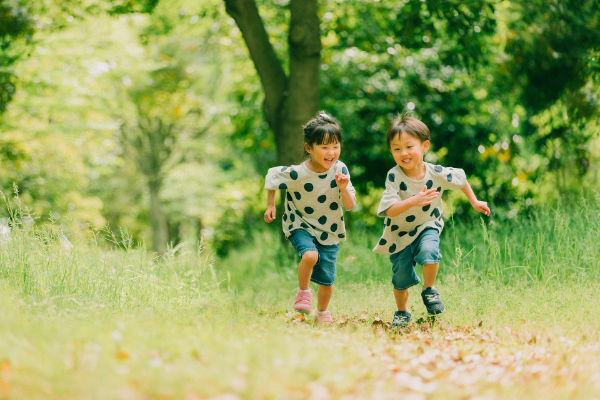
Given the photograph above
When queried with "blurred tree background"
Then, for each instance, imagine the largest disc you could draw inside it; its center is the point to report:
(150, 117)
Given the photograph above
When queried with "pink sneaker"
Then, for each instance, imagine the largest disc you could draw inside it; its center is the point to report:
(303, 302)
(324, 317)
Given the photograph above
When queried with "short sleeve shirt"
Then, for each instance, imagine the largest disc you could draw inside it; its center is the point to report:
(401, 230)
(313, 200)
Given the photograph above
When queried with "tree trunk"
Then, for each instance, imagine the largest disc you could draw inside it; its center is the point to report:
(289, 101)
(302, 102)
(158, 219)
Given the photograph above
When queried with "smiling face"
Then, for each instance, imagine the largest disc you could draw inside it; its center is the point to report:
(408, 152)
(323, 156)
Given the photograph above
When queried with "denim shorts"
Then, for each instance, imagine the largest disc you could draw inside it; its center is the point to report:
(425, 249)
(323, 272)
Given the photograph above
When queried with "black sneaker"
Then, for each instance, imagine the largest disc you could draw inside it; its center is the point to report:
(432, 301)
(401, 319)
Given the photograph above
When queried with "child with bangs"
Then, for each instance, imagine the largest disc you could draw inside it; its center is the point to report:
(313, 220)
(412, 207)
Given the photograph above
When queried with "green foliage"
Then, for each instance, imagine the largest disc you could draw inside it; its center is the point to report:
(519, 118)
(473, 74)
(551, 44)
(15, 24)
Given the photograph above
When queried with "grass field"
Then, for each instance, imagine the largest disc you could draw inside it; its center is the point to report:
(109, 322)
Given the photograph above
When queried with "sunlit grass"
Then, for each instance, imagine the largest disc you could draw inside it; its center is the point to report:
(98, 322)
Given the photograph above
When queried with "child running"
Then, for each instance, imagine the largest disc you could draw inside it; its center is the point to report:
(412, 207)
(313, 220)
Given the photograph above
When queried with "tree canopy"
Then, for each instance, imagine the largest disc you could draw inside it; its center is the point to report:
(509, 90)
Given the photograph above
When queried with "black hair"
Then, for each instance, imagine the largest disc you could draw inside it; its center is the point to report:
(322, 129)
(409, 125)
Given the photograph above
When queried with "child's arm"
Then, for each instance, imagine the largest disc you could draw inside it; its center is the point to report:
(420, 199)
(348, 199)
(270, 213)
(480, 206)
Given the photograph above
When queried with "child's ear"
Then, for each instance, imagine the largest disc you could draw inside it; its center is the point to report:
(307, 147)
(426, 146)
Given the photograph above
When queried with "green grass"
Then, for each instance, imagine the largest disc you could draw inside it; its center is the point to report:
(111, 322)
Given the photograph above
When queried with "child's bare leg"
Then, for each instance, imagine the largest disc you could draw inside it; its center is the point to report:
(308, 261)
(401, 297)
(429, 273)
(323, 297)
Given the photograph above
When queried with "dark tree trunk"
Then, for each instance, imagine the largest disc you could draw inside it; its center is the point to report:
(158, 219)
(289, 101)
(146, 142)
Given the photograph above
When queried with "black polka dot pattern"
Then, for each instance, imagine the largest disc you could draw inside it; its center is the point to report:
(449, 177)
(388, 222)
(392, 248)
(382, 241)
(402, 233)
(439, 189)
(429, 184)
(438, 168)
(403, 186)
(413, 232)
(438, 224)
(427, 207)
(435, 213)
(391, 177)
(410, 218)
(395, 228)
(309, 203)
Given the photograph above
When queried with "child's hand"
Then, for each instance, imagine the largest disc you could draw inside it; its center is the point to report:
(481, 206)
(270, 214)
(425, 197)
(341, 180)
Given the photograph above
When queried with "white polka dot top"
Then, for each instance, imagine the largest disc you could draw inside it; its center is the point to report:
(401, 230)
(313, 201)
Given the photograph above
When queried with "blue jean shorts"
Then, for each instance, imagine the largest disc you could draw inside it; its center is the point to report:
(323, 272)
(425, 249)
